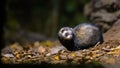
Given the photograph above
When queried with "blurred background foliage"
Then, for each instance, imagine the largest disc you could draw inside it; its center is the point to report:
(44, 17)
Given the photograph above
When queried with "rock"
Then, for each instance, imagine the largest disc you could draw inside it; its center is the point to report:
(41, 49)
(113, 33)
(8, 55)
(56, 49)
(63, 57)
(104, 13)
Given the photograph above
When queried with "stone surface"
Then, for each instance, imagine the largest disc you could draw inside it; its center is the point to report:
(104, 13)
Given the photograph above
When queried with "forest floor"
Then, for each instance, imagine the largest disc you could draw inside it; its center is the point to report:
(52, 54)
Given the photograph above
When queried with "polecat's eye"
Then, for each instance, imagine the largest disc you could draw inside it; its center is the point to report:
(62, 31)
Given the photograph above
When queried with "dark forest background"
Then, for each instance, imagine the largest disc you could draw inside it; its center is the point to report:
(40, 19)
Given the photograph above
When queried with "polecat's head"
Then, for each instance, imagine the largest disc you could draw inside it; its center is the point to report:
(66, 33)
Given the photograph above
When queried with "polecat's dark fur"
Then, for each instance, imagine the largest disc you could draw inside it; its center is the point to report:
(81, 37)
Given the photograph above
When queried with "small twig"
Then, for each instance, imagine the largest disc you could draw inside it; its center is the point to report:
(97, 44)
(106, 49)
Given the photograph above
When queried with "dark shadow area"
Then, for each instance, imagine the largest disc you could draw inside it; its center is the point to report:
(2, 23)
(29, 20)
(47, 65)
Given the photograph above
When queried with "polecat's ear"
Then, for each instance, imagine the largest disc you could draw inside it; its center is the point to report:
(61, 30)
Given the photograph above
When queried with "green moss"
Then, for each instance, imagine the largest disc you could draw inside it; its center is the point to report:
(13, 24)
